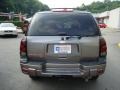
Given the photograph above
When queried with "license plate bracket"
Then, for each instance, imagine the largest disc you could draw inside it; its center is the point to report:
(62, 49)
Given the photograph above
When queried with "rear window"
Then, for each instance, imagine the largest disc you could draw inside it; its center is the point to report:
(71, 24)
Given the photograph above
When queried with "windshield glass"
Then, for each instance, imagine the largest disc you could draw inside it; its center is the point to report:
(7, 25)
(68, 23)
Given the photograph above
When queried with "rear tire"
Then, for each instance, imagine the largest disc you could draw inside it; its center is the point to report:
(33, 77)
(94, 78)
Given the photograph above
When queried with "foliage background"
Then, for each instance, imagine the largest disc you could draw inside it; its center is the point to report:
(98, 7)
(28, 7)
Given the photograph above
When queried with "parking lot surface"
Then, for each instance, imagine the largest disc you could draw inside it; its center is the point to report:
(11, 77)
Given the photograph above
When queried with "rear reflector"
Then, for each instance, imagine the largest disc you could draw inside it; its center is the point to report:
(103, 48)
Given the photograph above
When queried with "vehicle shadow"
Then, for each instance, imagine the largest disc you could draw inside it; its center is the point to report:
(65, 83)
(8, 36)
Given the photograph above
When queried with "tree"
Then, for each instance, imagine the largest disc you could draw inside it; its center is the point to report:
(5, 5)
(22, 6)
(107, 1)
(98, 7)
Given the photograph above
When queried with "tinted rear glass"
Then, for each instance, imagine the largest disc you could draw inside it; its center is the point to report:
(72, 24)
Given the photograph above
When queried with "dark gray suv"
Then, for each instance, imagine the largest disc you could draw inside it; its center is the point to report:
(63, 43)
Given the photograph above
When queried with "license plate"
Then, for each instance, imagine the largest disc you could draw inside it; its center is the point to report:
(65, 49)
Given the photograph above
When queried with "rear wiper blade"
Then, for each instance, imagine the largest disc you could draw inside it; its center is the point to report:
(68, 37)
(89, 35)
(62, 34)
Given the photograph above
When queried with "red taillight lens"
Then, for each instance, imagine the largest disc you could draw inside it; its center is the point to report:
(23, 48)
(23, 51)
(103, 47)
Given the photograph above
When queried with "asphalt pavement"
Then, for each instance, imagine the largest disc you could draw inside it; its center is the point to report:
(11, 77)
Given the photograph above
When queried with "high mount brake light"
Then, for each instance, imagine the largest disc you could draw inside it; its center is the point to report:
(62, 9)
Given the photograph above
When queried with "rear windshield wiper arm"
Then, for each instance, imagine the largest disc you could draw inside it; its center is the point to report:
(68, 37)
(62, 34)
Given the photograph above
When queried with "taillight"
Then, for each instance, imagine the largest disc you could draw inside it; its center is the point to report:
(103, 48)
(23, 45)
(23, 50)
